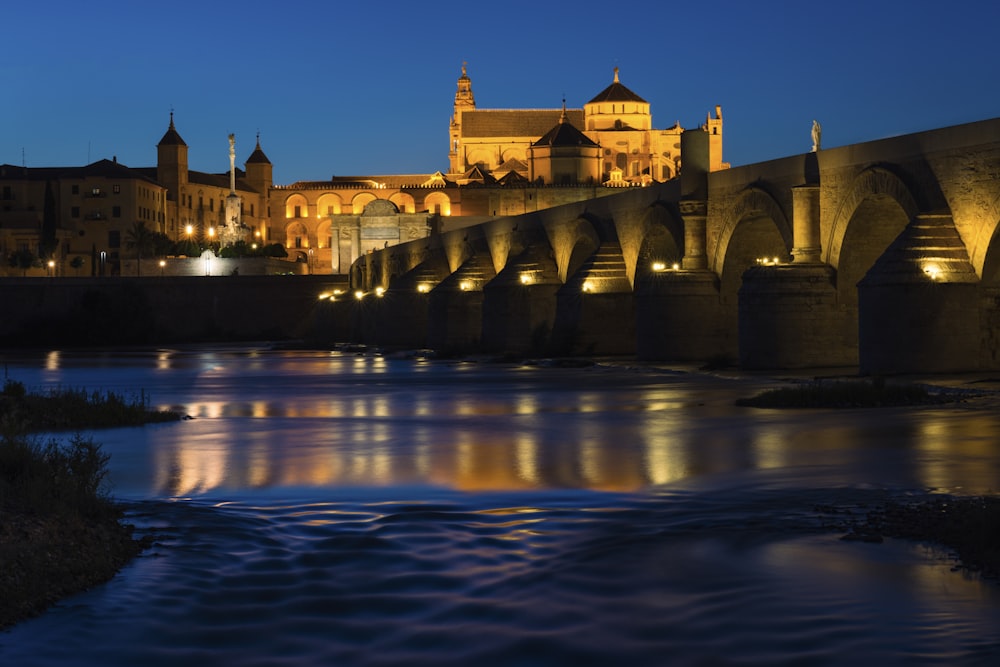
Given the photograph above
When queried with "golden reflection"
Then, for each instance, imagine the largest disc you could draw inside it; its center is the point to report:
(259, 468)
(200, 467)
(526, 458)
(53, 360)
(770, 448)
(526, 404)
(163, 360)
(964, 440)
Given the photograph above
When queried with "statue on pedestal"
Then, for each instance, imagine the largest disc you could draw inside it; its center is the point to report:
(817, 132)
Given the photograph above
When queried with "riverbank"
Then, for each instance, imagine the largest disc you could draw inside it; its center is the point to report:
(60, 532)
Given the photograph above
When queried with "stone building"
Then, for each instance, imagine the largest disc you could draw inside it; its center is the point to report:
(500, 162)
(59, 214)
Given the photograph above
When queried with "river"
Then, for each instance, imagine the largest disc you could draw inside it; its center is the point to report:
(335, 508)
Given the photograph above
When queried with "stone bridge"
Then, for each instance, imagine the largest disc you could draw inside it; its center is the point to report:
(881, 256)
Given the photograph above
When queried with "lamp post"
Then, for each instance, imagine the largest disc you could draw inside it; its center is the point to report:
(52, 267)
(163, 264)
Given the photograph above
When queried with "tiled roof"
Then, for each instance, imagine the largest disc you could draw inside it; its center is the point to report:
(220, 180)
(257, 157)
(564, 134)
(616, 92)
(100, 169)
(529, 123)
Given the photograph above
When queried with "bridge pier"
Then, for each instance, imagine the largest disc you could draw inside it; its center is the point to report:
(593, 323)
(920, 305)
(909, 327)
(789, 317)
(679, 317)
(695, 217)
(519, 305)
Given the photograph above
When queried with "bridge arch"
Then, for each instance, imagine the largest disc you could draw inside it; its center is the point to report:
(875, 183)
(876, 210)
(985, 252)
(660, 242)
(572, 243)
(755, 227)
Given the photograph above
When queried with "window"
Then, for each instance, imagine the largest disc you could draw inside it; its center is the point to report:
(75, 189)
(116, 211)
(298, 214)
(114, 239)
(96, 192)
(74, 212)
(116, 189)
(329, 210)
(298, 240)
(329, 241)
(251, 210)
(211, 204)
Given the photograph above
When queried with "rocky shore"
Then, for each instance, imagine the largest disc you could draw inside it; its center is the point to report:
(967, 526)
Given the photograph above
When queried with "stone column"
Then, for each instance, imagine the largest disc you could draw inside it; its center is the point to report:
(334, 249)
(355, 243)
(694, 214)
(806, 247)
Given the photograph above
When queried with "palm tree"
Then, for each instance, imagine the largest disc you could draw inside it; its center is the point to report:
(140, 239)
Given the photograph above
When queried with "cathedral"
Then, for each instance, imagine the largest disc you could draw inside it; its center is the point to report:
(500, 162)
(614, 131)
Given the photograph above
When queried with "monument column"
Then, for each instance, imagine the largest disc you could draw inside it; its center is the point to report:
(806, 247)
(694, 214)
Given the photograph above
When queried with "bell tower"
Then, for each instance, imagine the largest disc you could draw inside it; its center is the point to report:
(464, 101)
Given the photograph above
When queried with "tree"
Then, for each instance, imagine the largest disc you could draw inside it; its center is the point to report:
(76, 263)
(140, 239)
(22, 259)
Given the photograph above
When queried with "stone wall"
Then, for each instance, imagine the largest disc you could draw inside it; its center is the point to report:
(118, 311)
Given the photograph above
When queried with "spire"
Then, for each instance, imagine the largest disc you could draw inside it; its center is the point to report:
(464, 98)
(562, 116)
(171, 137)
(258, 154)
(616, 74)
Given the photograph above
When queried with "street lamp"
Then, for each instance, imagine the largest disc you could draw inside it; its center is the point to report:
(52, 266)
(163, 263)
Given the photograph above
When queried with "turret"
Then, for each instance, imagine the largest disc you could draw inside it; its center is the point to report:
(172, 162)
(259, 169)
(713, 126)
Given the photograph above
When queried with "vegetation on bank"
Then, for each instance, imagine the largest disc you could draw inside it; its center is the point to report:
(60, 531)
(63, 409)
(846, 394)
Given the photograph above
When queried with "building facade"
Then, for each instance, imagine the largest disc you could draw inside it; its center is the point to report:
(501, 162)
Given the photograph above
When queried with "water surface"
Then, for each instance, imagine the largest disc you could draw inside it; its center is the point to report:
(327, 508)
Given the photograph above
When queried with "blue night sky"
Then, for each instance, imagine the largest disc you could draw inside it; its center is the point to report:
(367, 87)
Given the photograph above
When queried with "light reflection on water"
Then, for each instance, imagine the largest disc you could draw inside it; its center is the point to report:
(324, 508)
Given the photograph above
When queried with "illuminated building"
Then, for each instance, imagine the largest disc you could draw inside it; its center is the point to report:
(500, 162)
